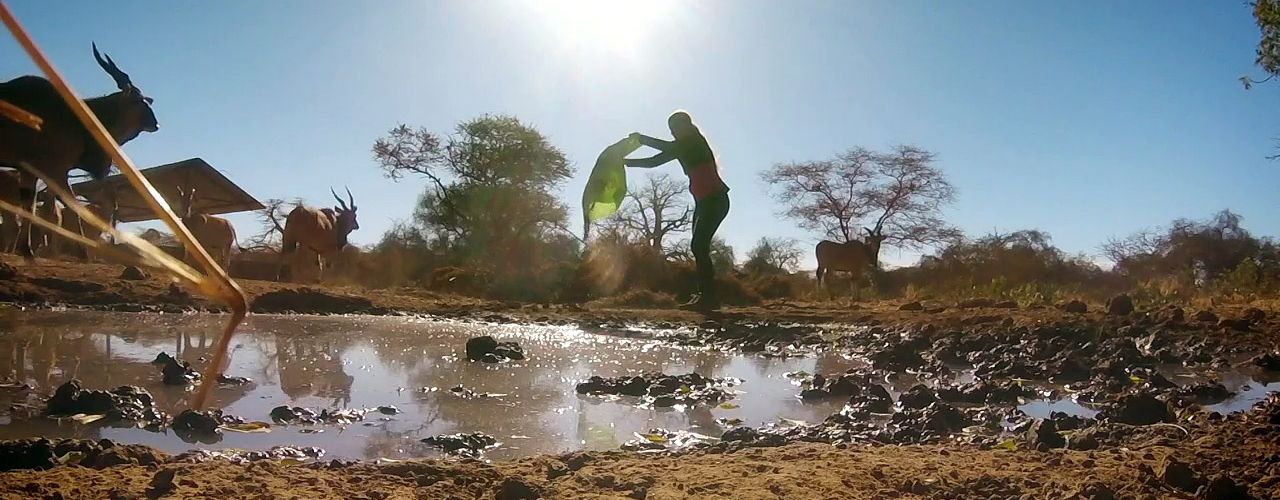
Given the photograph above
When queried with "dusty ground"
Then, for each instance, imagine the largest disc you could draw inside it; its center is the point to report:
(1235, 458)
(1215, 458)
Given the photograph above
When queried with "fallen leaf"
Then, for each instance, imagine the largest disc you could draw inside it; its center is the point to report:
(87, 419)
(653, 438)
(1009, 444)
(249, 427)
(729, 406)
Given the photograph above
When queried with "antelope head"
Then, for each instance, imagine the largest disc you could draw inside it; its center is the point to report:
(345, 217)
(133, 114)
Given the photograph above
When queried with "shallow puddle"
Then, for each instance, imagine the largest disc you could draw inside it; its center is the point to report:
(365, 362)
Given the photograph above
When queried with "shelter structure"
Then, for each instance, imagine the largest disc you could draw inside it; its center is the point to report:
(215, 194)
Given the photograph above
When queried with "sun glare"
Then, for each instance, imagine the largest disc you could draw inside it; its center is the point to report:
(618, 27)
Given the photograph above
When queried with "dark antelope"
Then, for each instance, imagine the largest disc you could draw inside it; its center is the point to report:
(323, 231)
(61, 143)
(856, 257)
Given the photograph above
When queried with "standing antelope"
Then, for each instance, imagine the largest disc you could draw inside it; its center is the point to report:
(71, 222)
(323, 231)
(62, 143)
(45, 242)
(855, 256)
(215, 234)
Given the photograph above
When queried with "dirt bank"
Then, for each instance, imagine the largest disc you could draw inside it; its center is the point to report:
(1233, 457)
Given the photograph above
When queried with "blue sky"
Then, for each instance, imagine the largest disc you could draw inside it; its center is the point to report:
(1085, 119)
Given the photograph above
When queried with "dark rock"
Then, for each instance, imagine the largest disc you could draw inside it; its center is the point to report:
(740, 434)
(662, 390)
(1206, 393)
(198, 422)
(388, 410)
(179, 372)
(1267, 361)
(919, 396)
(300, 415)
(124, 403)
(911, 306)
(1075, 307)
(490, 357)
(1178, 474)
(1083, 440)
(1222, 487)
(465, 444)
(162, 483)
(1044, 434)
(1254, 315)
(1138, 409)
(1205, 316)
(516, 489)
(1120, 305)
(1175, 315)
(1239, 325)
(226, 380)
(7, 272)
(477, 347)
(1005, 304)
(162, 359)
(133, 273)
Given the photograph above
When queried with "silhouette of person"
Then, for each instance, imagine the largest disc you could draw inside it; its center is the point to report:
(710, 196)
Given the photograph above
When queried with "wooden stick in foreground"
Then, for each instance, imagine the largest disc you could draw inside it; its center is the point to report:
(215, 283)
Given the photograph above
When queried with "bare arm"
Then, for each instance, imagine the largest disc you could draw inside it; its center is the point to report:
(655, 143)
(652, 161)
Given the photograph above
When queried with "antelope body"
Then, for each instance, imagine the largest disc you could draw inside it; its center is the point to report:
(856, 257)
(61, 143)
(215, 234)
(323, 231)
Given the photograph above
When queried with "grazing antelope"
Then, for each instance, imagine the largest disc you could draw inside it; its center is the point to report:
(854, 256)
(323, 231)
(62, 143)
(215, 234)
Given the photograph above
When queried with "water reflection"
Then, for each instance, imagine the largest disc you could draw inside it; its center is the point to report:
(362, 362)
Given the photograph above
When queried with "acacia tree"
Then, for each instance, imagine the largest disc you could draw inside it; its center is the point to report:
(898, 195)
(271, 218)
(655, 210)
(489, 191)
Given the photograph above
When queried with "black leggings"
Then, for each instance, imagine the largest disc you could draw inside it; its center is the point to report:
(708, 213)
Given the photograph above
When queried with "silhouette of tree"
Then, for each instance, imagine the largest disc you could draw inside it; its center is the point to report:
(655, 210)
(899, 194)
(772, 256)
(271, 217)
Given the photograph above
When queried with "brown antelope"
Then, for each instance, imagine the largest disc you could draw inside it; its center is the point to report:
(215, 234)
(323, 231)
(856, 257)
(62, 143)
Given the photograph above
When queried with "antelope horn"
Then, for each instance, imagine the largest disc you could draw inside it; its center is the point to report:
(121, 78)
(350, 198)
(341, 203)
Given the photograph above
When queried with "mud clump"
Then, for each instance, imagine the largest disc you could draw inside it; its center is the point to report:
(1179, 474)
(1138, 409)
(1239, 325)
(975, 303)
(661, 390)
(42, 453)
(125, 403)
(133, 273)
(1205, 316)
(1254, 315)
(307, 416)
(310, 301)
(177, 372)
(487, 349)
(919, 396)
(911, 306)
(194, 426)
(1267, 361)
(1044, 435)
(1120, 305)
(229, 380)
(841, 385)
(7, 272)
(462, 444)
(1075, 307)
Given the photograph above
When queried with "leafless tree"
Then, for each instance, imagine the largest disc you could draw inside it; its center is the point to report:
(271, 217)
(657, 209)
(899, 194)
(773, 255)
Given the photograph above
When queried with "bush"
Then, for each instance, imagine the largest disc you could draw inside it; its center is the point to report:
(639, 299)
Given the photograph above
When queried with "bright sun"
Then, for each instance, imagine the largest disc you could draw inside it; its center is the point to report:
(615, 26)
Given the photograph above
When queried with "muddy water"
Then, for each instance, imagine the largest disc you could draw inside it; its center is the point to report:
(364, 362)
